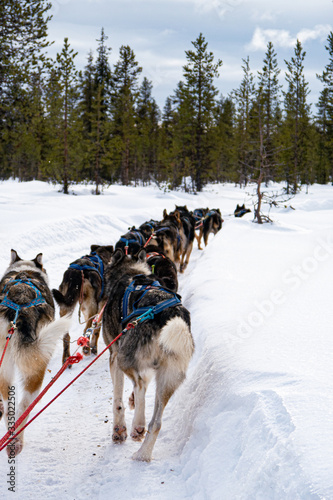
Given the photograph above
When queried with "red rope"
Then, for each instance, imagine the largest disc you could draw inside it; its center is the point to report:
(150, 237)
(9, 336)
(8, 437)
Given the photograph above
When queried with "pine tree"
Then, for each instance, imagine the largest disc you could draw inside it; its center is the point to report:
(223, 147)
(243, 98)
(325, 105)
(297, 121)
(63, 127)
(23, 40)
(268, 93)
(147, 118)
(196, 98)
(123, 100)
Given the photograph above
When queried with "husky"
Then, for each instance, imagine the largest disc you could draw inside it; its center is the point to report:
(26, 308)
(187, 235)
(240, 210)
(199, 215)
(160, 346)
(167, 236)
(131, 242)
(163, 268)
(83, 283)
(212, 223)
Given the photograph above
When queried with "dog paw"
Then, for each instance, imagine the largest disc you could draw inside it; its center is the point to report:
(14, 447)
(94, 349)
(138, 433)
(131, 402)
(86, 350)
(141, 457)
(119, 434)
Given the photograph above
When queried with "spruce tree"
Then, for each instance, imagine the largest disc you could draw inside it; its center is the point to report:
(23, 41)
(244, 97)
(268, 96)
(123, 101)
(325, 105)
(297, 121)
(147, 118)
(196, 98)
(63, 127)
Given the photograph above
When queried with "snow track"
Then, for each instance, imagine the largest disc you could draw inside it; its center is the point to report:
(253, 419)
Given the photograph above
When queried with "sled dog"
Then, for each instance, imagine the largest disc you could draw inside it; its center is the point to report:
(167, 236)
(187, 235)
(162, 267)
(211, 223)
(26, 304)
(241, 210)
(131, 242)
(160, 346)
(83, 283)
(199, 214)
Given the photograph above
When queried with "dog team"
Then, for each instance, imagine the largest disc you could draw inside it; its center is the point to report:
(134, 282)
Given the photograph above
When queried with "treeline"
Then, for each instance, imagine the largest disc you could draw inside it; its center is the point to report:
(103, 125)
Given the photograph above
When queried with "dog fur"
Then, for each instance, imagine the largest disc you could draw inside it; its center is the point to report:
(32, 343)
(199, 214)
(162, 346)
(162, 267)
(212, 223)
(240, 210)
(186, 234)
(167, 236)
(68, 295)
(135, 240)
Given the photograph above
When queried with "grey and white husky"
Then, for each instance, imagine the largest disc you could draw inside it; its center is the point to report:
(160, 346)
(26, 301)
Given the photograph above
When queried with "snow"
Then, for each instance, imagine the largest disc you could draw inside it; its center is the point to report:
(254, 418)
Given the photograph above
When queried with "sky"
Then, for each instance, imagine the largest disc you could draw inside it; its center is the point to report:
(160, 31)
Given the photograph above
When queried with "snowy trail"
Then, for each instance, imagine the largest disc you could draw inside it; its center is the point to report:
(253, 420)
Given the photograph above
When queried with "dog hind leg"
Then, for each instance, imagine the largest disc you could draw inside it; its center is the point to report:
(32, 385)
(119, 424)
(167, 381)
(139, 420)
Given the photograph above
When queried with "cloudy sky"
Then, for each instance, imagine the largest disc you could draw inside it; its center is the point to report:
(159, 32)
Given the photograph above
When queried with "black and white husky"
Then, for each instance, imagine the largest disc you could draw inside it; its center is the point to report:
(26, 301)
(160, 346)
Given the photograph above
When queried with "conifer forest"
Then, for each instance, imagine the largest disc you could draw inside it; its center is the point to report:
(102, 125)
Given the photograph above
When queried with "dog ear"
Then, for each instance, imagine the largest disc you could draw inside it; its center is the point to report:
(165, 213)
(93, 248)
(14, 257)
(109, 248)
(177, 215)
(142, 255)
(117, 256)
(38, 260)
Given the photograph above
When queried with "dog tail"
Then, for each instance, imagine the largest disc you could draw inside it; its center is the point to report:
(49, 334)
(73, 284)
(176, 338)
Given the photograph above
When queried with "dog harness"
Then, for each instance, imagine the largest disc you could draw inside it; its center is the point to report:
(138, 238)
(97, 265)
(17, 307)
(149, 311)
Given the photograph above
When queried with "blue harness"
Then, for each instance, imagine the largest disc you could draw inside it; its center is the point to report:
(17, 307)
(146, 312)
(97, 265)
(139, 238)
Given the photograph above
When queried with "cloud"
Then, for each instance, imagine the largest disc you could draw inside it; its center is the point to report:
(283, 38)
(221, 7)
